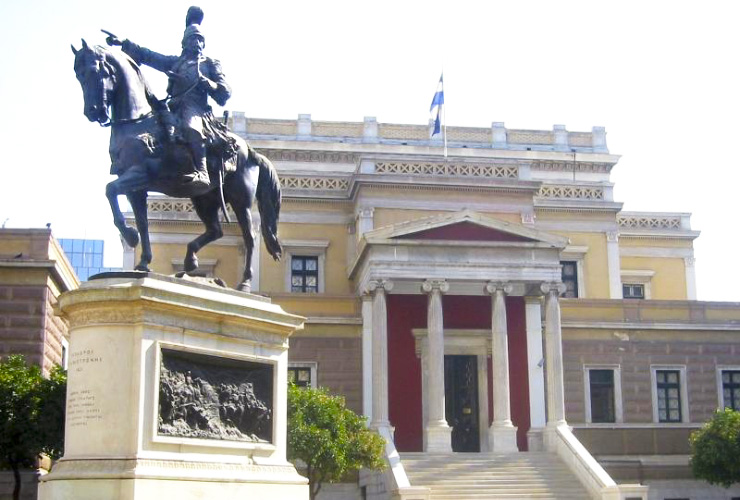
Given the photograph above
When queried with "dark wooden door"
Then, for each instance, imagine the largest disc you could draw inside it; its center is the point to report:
(461, 402)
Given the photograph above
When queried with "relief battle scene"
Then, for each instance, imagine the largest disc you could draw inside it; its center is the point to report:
(209, 397)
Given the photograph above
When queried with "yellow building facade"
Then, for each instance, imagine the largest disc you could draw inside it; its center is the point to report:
(487, 301)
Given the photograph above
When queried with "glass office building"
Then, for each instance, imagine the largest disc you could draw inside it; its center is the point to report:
(86, 256)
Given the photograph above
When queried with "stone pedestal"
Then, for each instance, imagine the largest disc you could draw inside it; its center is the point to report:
(176, 390)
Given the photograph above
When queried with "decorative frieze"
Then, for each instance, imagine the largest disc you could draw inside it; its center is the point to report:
(169, 205)
(571, 192)
(315, 183)
(309, 156)
(571, 166)
(448, 169)
(649, 221)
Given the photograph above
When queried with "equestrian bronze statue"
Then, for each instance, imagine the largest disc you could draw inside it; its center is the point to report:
(176, 146)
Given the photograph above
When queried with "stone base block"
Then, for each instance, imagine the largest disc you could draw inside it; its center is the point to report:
(145, 479)
(438, 439)
(502, 438)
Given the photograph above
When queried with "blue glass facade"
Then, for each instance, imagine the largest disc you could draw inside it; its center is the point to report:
(86, 256)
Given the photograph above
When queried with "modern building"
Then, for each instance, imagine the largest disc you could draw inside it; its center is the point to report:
(496, 301)
(86, 256)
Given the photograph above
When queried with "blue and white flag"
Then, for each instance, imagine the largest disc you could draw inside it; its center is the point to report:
(436, 108)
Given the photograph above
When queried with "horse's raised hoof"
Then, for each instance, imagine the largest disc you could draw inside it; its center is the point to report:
(245, 286)
(190, 264)
(130, 236)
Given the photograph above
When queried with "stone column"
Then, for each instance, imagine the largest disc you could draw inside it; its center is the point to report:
(437, 433)
(502, 433)
(535, 365)
(380, 353)
(613, 265)
(689, 263)
(554, 354)
(367, 355)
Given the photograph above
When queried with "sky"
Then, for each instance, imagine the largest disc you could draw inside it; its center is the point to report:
(661, 76)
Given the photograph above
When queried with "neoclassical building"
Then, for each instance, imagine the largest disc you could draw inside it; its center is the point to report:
(494, 312)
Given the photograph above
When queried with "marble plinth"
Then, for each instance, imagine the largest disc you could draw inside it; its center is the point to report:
(115, 448)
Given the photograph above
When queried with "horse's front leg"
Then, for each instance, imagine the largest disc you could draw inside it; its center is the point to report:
(112, 190)
(137, 199)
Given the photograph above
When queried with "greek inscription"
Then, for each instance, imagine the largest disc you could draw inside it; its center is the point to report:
(82, 408)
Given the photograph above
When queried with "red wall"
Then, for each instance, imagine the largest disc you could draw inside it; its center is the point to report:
(406, 312)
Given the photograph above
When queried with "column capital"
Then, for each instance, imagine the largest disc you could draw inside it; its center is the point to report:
(612, 236)
(493, 286)
(431, 285)
(365, 211)
(553, 287)
(379, 284)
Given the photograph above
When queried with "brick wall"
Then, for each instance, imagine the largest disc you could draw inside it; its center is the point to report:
(23, 312)
(339, 365)
(700, 356)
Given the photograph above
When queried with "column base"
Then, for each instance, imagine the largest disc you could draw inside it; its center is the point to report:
(438, 439)
(535, 439)
(502, 438)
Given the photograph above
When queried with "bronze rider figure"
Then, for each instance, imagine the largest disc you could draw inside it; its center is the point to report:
(193, 77)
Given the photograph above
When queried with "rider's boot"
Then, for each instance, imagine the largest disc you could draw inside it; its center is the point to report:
(198, 181)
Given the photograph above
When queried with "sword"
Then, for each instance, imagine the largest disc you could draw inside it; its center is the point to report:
(221, 173)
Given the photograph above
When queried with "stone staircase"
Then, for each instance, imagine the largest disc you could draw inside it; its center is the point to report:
(478, 476)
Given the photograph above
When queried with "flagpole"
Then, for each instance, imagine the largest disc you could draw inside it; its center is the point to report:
(444, 119)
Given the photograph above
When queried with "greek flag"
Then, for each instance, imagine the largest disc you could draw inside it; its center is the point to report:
(436, 108)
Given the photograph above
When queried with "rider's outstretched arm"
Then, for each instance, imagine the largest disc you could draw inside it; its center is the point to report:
(143, 55)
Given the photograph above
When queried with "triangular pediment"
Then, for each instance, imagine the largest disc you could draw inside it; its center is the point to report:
(464, 226)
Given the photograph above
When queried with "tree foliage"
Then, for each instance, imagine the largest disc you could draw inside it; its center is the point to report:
(715, 449)
(31, 415)
(330, 439)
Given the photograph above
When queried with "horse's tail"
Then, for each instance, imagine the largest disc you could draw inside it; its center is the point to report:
(268, 199)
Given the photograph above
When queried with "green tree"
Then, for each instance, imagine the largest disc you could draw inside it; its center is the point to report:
(715, 449)
(31, 415)
(330, 439)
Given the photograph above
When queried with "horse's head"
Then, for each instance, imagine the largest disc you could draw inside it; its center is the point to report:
(97, 78)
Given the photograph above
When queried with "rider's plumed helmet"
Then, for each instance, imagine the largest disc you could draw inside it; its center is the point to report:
(192, 23)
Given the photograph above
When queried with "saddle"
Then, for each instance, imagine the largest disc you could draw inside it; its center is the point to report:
(221, 146)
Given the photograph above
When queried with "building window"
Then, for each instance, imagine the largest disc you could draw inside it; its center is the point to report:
(302, 374)
(603, 391)
(633, 291)
(65, 353)
(305, 265)
(668, 387)
(731, 389)
(602, 396)
(570, 278)
(304, 274)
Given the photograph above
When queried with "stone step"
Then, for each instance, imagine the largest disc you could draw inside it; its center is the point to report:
(517, 476)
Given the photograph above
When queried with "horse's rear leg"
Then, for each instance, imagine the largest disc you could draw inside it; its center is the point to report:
(137, 200)
(206, 207)
(244, 217)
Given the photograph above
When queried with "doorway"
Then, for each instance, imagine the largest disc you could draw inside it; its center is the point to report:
(461, 402)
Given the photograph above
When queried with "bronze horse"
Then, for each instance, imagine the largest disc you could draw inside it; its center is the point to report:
(116, 95)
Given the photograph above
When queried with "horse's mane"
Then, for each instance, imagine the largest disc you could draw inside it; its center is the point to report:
(125, 61)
